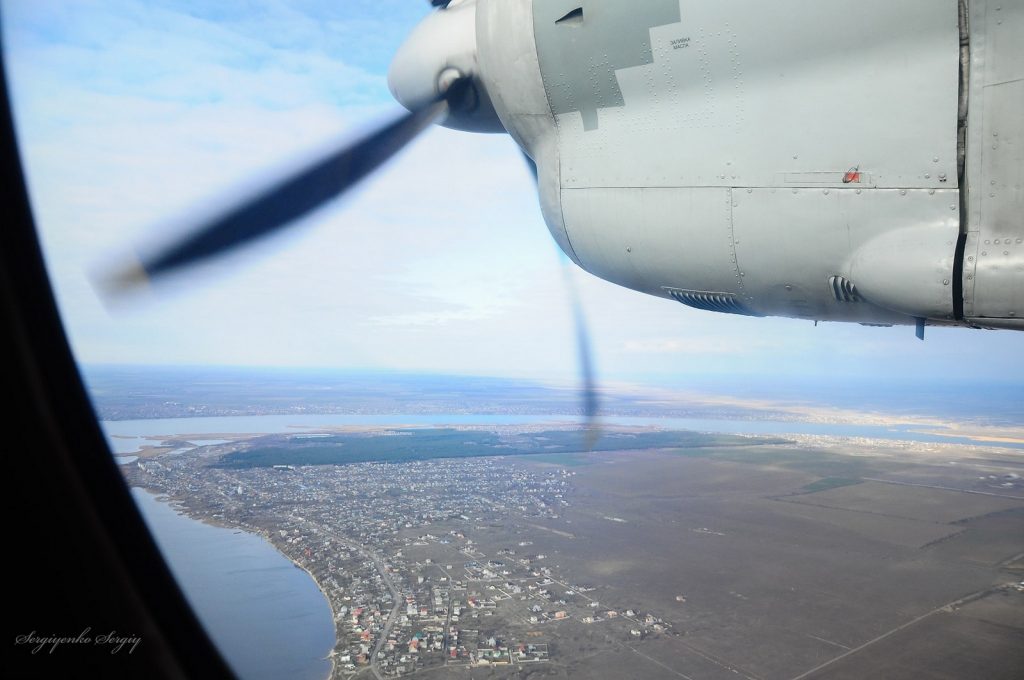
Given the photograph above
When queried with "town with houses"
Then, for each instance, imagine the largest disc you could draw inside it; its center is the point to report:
(425, 564)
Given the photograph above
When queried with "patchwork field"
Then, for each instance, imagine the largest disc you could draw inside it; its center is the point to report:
(765, 577)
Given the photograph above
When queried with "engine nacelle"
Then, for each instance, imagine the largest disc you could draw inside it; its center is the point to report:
(724, 156)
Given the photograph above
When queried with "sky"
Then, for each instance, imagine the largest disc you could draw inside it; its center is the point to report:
(134, 117)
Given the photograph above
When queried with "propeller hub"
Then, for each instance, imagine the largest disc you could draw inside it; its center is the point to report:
(440, 51)
(447, 77)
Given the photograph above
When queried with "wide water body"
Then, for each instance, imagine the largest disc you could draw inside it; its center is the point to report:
(127, 436)
(267, 617)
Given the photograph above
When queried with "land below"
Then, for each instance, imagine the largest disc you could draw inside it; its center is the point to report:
(659, 554)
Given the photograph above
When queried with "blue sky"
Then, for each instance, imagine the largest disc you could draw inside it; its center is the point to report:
(133, 115)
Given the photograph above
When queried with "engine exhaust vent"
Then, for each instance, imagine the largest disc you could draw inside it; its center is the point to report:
(710, 301)
(843, 289)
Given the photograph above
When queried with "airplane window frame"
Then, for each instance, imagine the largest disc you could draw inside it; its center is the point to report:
(86, 563)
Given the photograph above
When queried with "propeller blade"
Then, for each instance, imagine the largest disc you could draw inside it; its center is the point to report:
(585, 354)
(278, 205)
(583, 350)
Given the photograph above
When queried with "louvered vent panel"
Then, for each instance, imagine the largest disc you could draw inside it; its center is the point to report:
(843, 289)
(710, 301)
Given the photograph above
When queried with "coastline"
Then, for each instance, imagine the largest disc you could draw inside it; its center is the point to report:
(176, 505)
(334, 615)
(773, 419)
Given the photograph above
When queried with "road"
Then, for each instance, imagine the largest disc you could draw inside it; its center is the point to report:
(396, 596)
(957, 602)
(392, 617)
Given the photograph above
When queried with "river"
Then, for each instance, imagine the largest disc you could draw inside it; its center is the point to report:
(266, 616)
(128, 436)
